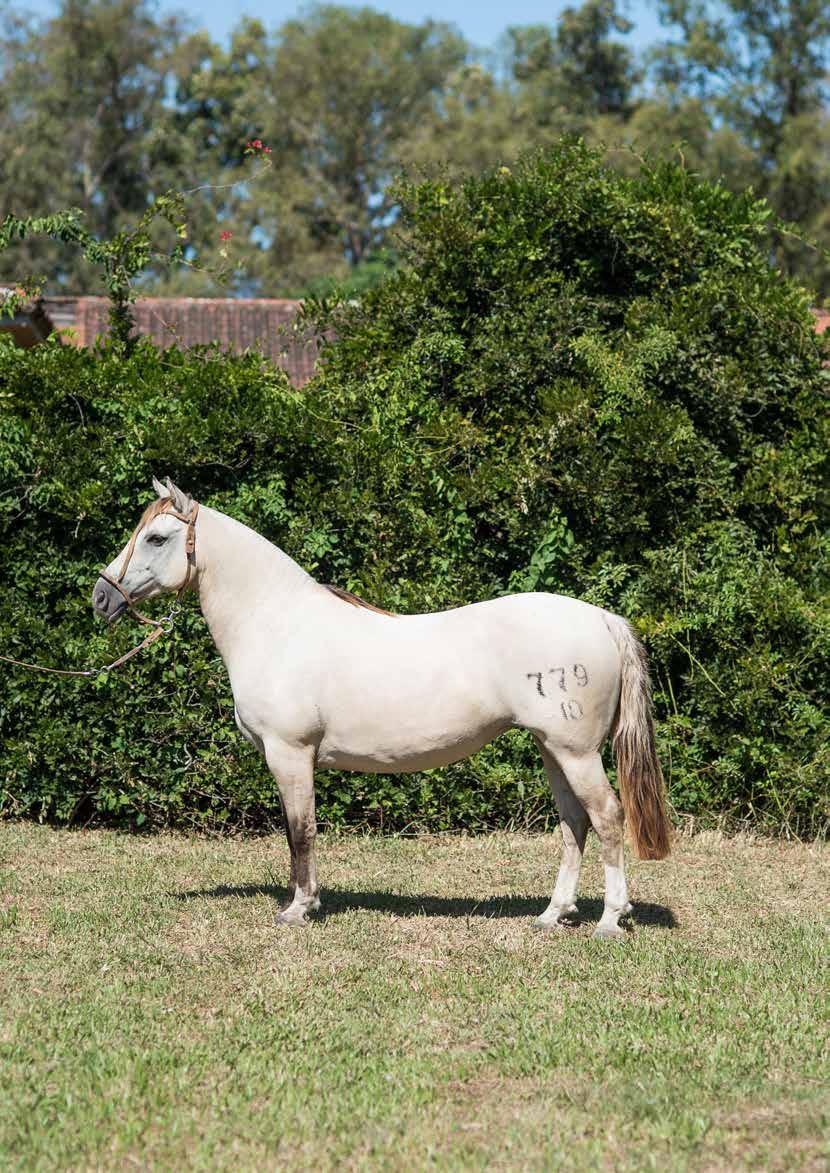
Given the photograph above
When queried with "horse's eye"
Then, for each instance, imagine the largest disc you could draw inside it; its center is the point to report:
(156, 539)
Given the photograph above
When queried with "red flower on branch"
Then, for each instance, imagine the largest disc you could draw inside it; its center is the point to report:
(223, 236)
(255, 146)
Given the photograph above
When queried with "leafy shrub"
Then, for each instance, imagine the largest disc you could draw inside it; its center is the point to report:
(575, 382)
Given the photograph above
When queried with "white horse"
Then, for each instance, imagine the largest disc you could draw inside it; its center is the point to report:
(322, 679)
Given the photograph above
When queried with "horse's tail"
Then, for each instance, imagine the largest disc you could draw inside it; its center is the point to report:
(642, 789)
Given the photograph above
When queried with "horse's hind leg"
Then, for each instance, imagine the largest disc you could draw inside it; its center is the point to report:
(574, 823)
(588, 781)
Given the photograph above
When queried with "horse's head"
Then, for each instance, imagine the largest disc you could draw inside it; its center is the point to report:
(158, 558)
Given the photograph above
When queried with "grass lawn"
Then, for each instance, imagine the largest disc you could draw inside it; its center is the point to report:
(151, 1014)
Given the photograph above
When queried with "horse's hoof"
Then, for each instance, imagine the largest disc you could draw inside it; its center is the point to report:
(292, 919)
(547, 926)
(567, 919)
(610, 933)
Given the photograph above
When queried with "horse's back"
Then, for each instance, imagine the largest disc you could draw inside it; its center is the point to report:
(491, 638)
(518, 625)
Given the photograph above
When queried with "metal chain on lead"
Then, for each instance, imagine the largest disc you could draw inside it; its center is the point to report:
(161, 627)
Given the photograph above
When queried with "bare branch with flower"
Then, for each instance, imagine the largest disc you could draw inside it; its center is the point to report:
(128, 253)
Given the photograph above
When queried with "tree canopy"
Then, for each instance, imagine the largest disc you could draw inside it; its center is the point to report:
(105, 105)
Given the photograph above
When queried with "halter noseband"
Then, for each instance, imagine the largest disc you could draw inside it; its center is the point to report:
(189, 548)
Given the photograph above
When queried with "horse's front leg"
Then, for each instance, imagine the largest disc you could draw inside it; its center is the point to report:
(293, 769)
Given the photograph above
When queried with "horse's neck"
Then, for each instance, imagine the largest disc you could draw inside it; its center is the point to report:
(238, 571)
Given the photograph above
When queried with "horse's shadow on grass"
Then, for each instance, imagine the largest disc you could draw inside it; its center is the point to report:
(339, 900)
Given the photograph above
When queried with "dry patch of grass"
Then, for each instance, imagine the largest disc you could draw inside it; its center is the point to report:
(151, 1012)
(781, 1135)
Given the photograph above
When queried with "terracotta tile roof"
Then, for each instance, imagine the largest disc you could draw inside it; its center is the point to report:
(262, 324)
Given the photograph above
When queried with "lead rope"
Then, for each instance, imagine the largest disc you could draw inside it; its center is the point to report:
(160, 627)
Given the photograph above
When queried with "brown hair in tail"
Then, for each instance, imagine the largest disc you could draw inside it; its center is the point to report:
(642, 789)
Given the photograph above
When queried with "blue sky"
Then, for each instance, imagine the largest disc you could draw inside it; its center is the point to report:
(481, 22)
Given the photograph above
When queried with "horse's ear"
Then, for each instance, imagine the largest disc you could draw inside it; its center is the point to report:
(182, 502)
(161, 489)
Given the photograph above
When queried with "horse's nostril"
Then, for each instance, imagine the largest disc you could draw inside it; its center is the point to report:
(101, 599)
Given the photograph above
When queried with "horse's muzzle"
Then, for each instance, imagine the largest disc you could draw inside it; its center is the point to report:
(107, 602)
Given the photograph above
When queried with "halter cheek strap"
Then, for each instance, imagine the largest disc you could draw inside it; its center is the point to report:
(190, 551)
(189, 544)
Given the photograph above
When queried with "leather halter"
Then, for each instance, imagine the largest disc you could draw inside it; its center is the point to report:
(160, 626)
(190, 551)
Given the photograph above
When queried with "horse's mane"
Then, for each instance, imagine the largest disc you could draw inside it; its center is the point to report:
(355, 600)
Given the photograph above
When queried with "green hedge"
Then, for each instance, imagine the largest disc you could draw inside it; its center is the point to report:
(575, 382)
